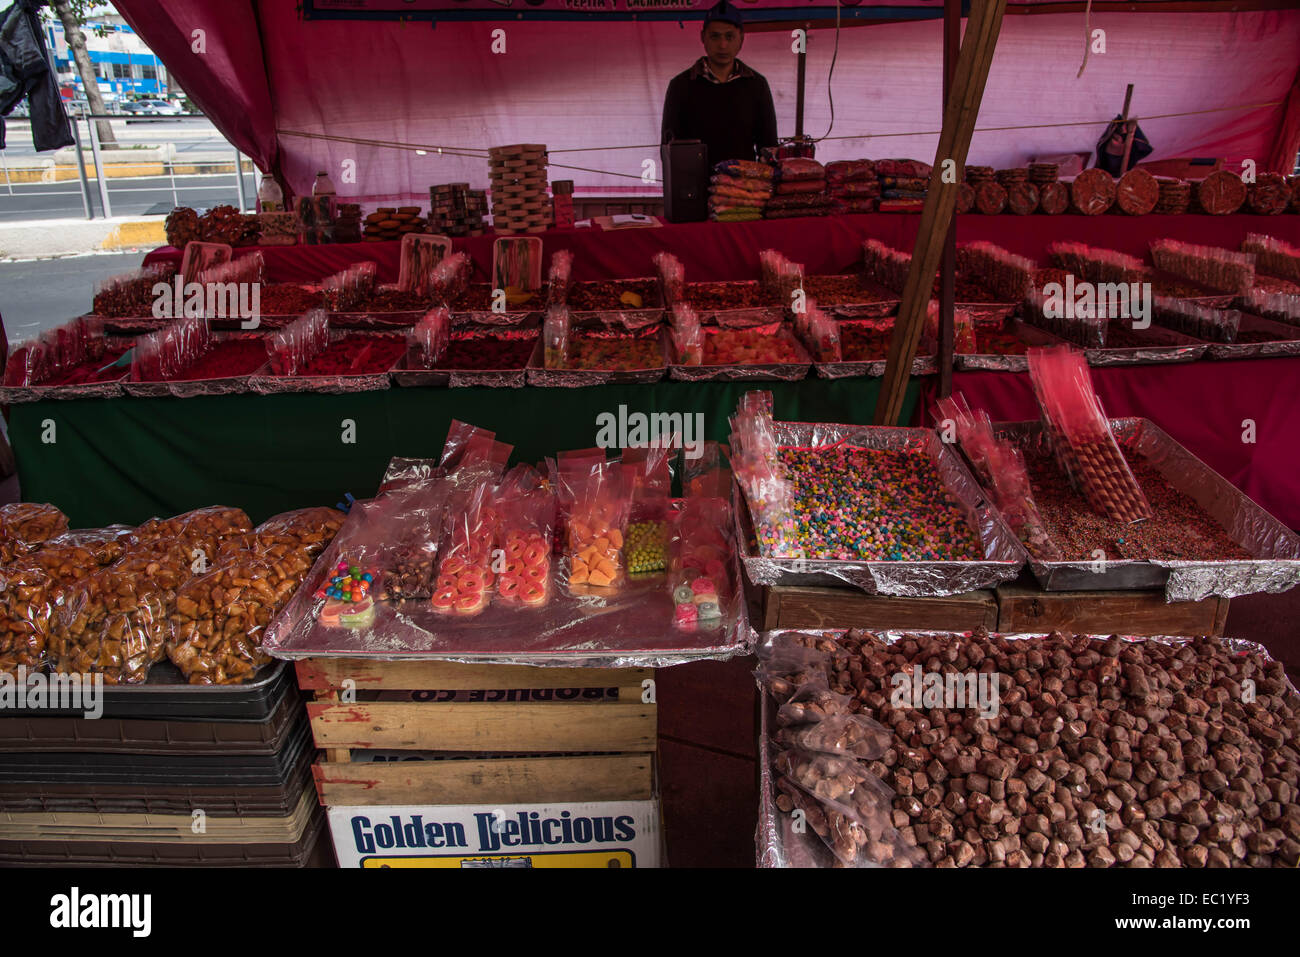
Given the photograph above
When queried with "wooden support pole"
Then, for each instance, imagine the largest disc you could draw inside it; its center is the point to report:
(1128, 131)
(948, 268)
(959, 118)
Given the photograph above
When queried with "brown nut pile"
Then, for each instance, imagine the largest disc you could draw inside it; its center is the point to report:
(852, 735)
(24, 618)
(219, 619)
(308, 528)
(26, 526)
(200, 526)
(1103, 752)
(410, 574)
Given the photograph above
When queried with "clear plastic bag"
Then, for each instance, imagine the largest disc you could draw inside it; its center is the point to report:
(426, 343)
(290, 349)
(819, 332)
(131, 294)
(700, 571)
(1273, 256)
(106, 544)
(672, 274)
(599, 502)
(25, 608)
(25, 526)
(1081, 437)
(465, 577)
(526, 513)
(560, 276)
(556, 338)
(885, 265)
(450, 278)
(686, 334)
(1210, 266)
(219, 620)
(1009, 276)
(646, 544)
(848, 735)
(1200, 322)
(1094, 264)
(347, 290)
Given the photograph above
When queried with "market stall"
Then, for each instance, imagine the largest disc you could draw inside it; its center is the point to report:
(567, 459)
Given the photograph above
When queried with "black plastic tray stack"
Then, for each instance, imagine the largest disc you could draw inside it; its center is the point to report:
(125, 788)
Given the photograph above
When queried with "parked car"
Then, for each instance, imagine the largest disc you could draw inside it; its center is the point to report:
(150, 108)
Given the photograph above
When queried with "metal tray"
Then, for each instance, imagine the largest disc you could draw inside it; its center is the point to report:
(147, 770)
(776, 844)
(1288, 346)
(151, 735)
(1004, 555)
(189, 388)
(268, 384)
(217, 801)
(578, 378)
(376, 320)
(735, 318)
(990, 362)
(1276, 567)
(925, 362)
(885, 304)
(313, 849)
(166, 695)
(630, 319)
(780, 371)
(1166, 346)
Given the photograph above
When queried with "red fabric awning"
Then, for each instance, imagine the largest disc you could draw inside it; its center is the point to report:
(304, 95)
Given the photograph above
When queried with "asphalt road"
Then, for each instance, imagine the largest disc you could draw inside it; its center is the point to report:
(129, 196)
(41, 294)
(190, 136)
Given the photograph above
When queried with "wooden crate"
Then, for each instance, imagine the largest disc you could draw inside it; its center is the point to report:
(1018, 607)
(1024, 608)
(625, 731)
(787, 606)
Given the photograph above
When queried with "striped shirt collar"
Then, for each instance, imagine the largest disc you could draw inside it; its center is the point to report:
(701, 69)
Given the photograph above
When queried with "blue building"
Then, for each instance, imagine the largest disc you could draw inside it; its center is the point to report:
(125, 66)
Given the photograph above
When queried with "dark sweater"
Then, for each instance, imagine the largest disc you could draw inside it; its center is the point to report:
(734, 119)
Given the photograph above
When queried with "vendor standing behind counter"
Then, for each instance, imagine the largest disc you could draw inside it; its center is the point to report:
(719, 100)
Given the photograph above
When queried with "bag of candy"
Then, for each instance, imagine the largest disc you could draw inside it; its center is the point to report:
(426, 343)
(465, 576)
(525, 509)
(700, 574)
(599, 501)
(555, 338)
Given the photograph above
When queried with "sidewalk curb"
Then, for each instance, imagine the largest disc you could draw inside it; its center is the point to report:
(145, 232)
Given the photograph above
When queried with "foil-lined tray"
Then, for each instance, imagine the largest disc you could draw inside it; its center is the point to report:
(1003, 559)
(776, 843)
(192, 388)
(1275, 567)
(987, 312)
(268, 384)
(1167, 346)
(127, 325)
(539, 375)
(631, 627)
(925, 362)
(375, 320)
(992, 362)
(1288, 345)
(765, 372)
(625, 318)
(108, 389)
(883, 303)
(743, 318)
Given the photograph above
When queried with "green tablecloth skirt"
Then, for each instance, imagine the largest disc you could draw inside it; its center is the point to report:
(127, 459)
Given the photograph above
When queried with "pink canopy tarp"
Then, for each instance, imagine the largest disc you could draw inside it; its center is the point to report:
(301, 95)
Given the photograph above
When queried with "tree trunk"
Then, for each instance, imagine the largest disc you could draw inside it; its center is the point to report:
(77, 44)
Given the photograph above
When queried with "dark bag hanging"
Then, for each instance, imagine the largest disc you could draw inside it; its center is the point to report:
(25, 71)
(1110, 148)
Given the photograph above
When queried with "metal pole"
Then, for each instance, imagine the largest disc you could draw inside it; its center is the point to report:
(239, 180)
(81, 167)
(799, 83)
(5, 163)
(171, 174)
(99, 170)
(948, 264)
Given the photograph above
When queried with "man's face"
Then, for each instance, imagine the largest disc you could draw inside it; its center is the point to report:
(722, 43)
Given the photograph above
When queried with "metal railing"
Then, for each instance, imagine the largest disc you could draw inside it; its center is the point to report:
(242, 200)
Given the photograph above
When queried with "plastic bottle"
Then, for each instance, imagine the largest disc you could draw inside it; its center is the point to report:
(270, 198)
(324, 186)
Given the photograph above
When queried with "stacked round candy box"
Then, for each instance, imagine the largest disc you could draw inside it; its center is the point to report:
(857, 504)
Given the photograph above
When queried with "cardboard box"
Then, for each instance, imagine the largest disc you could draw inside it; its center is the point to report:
(607, 834)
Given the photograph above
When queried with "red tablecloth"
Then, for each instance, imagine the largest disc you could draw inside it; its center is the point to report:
(823, 244)
(1204, 405)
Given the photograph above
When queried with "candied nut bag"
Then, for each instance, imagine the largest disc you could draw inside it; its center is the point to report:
(219, 620)
(24, 618)
(310, 529)
(114, 622)
(25, 526)
(107, 544)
